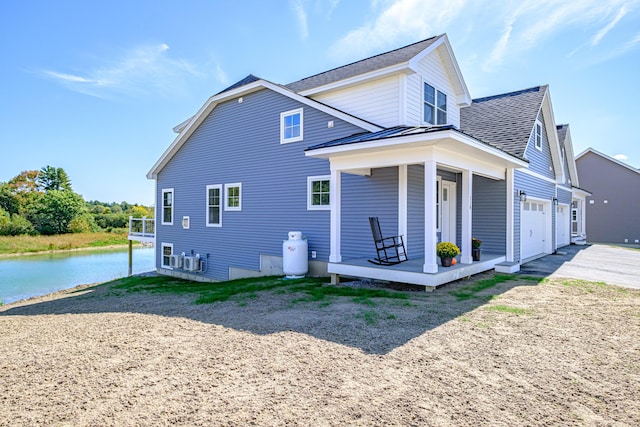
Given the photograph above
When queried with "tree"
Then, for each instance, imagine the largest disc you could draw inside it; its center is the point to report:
(55, 210)
(24, 182)
(50, 178)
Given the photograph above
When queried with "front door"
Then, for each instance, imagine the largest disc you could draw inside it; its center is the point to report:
(448, 211)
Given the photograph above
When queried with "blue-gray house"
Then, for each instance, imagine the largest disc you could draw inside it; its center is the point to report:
(395, 136)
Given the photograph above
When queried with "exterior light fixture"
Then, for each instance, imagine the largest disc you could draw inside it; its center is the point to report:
(522, 195)
(555, 201)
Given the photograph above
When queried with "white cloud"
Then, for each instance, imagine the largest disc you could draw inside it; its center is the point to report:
(141, 70)
(411, 20)
(603, 32)
(301, 15)
(621, 157)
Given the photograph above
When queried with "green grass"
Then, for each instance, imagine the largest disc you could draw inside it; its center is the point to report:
(471, 291)
(31, 244)
(512, 310)
(312, 289)
(585, 285)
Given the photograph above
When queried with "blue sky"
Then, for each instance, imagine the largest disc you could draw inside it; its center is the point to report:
(96, 87)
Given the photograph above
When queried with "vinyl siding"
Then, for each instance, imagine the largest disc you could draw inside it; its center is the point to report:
(564, 196)
(489, 220)
(431, 70)
(377, 102)
(240, 143)
(415, 208)
(540, 161)
(362, 197)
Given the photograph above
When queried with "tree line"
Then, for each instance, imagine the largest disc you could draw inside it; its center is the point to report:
(43, 202)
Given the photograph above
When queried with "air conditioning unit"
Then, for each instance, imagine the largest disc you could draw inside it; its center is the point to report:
(175, 261)
(191, 263)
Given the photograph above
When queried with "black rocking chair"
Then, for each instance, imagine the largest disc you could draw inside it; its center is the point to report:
(391, 250)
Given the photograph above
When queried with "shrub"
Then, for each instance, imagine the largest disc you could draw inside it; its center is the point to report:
(447, 250)
(475, 243)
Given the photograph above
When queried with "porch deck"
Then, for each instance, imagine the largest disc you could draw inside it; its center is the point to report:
(411, 271)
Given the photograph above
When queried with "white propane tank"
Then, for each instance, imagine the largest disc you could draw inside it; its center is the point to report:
(295, 256)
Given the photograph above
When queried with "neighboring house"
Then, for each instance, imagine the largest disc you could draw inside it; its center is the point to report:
(612, 209)
(396, 136)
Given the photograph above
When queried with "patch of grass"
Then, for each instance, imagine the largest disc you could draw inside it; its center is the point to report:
(469, 291)
(585, 285)
(370, 317)
(507, 309)
(32, 244)
(312, 289)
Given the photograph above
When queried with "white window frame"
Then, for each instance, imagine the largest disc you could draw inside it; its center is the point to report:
(438, 203)
(283, 116)
(220, 206)
(162, 255)
(435, 104)
(226, 197)
(310, 181)
(537, 130)
(173, 206)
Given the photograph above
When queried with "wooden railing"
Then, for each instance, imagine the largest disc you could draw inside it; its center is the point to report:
(142, 227)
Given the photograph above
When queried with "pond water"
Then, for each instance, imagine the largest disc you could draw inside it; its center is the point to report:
(35, 275)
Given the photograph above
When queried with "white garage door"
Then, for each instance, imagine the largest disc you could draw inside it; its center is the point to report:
(532, 229)
(562, 225)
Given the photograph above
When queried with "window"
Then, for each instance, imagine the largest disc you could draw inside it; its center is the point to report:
(435, 106)
(318, 192)
(538, 136)
(167, 251)
(167, 206)
(233, 200)
(291, 126)
(214, 205)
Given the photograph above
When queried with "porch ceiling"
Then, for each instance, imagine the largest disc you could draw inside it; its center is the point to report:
(447, 147)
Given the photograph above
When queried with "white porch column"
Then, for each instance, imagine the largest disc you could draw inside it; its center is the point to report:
(510, 214)
(336, 214)
(467, 217)
(430, 237)
(403, 210)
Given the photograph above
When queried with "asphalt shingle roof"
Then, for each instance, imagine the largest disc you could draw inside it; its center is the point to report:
(504, 121)
(249, 79)
(363, 66)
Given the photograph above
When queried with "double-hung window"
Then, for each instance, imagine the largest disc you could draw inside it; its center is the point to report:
(214, 205)
(233, 197)
(291, 126)
(167, 251)
(167, 206)
(318, 192)
(538, 136)
(435, 106)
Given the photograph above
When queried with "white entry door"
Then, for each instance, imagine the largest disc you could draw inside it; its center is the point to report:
(533, 233)
(563, 237)
(448, 211)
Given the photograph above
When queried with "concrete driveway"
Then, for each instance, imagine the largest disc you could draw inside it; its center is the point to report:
(614, 265)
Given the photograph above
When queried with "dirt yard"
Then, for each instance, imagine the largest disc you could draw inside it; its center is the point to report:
(551, 353)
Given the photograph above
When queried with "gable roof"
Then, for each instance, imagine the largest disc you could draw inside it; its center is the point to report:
(235, 91)
(401, 60)
(607, 157)
(564, 137)
(383, 60)
(504, 121)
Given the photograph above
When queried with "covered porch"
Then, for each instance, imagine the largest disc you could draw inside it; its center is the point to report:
(414, 203)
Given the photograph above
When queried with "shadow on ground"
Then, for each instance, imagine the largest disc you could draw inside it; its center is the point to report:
(374, 325)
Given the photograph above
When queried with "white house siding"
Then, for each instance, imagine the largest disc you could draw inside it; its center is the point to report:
(431, 70)
(377, 102)
(240, 143)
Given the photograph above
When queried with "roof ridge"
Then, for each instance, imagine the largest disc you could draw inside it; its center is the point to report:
(514, 93)
(364, 59)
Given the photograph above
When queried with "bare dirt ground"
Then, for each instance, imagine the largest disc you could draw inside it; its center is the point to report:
(552, 353)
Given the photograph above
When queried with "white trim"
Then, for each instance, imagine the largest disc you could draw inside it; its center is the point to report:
(226, 197)
(162, 246)
(310, 181)
(283, 116)
(335, 197)
(173, 206)
(403, 203)
(186, 222)
(212, 102)
(220, 206)
(438, 204)
(510, 214)
(430, 259)
(467, 217)
(435, 105)
(537, 175)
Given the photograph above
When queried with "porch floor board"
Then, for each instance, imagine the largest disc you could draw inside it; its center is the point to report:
(411, 271)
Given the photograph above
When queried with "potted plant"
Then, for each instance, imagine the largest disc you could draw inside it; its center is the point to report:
(475, 248)
(446, 251)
